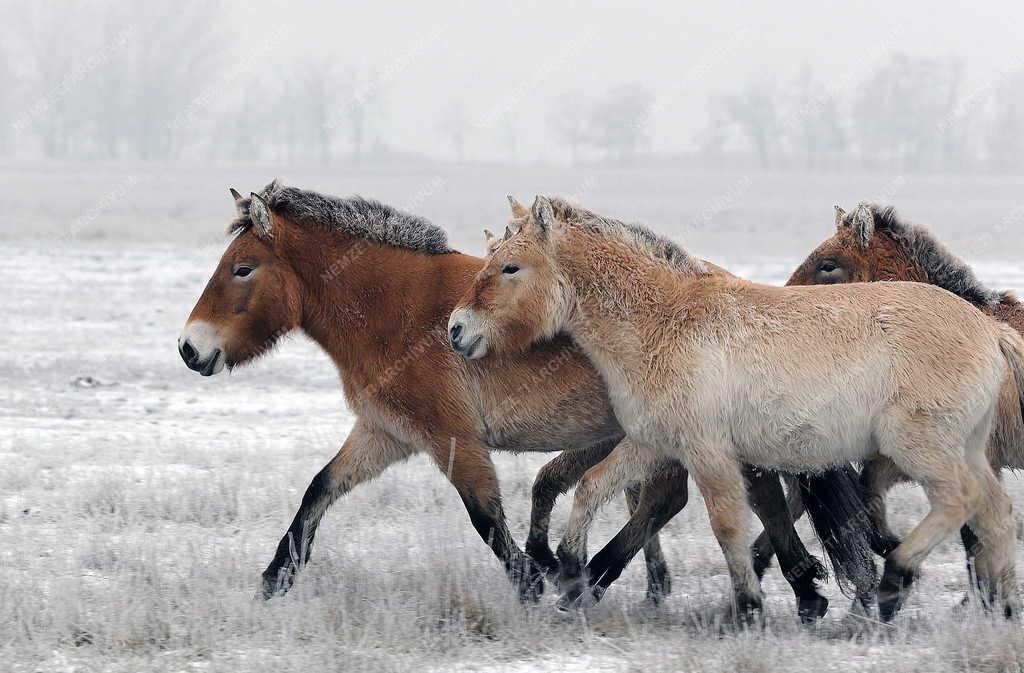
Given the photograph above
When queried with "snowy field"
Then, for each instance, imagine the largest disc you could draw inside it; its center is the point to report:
(139, 502)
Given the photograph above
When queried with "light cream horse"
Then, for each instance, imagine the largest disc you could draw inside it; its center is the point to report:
(717, 372)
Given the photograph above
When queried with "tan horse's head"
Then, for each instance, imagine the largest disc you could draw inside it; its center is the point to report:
(519, 297)
(251, 301)
(860, 251)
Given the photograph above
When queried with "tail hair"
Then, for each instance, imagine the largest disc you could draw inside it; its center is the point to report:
(841, 518)
(1012, 345)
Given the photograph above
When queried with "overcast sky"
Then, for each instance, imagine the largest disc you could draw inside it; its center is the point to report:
(506, 61)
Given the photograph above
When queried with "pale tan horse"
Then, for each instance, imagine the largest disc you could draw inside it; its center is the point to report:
(716, 372)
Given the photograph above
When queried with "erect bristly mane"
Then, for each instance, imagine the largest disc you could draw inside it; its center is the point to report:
(637, 235)
(942, 267)
(361, 217)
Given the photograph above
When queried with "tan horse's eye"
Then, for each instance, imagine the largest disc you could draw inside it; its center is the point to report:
(510, 269)
(243, 271)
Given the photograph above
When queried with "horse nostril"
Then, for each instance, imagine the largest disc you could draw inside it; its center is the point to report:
(188, 354)
(455, 333)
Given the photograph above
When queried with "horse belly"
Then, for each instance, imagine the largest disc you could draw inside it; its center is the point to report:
(801, 432)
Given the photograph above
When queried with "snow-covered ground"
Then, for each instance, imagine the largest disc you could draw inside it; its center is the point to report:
(139, 502)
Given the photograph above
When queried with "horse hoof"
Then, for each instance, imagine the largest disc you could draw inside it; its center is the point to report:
(811, 608)
(545, 558)
(659, 584)
(748, 610)
(893, 589)
(271, 587)
(530, 582)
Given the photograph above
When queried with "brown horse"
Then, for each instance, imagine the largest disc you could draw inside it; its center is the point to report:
(374, 287)
(872, 243)
(714, 372)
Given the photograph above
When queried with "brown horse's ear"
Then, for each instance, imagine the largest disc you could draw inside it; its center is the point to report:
(864, 221)
(840, 214)
(543, 214)
(262, 220)
(518, 209)
(238, 200)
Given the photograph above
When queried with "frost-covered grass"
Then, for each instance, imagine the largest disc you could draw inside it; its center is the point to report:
(139, 502)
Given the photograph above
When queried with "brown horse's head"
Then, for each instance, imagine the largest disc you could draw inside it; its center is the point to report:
(518, 297)
(251, 301)
(861, 251)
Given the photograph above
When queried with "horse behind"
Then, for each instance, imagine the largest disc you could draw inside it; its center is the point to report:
(714, 371)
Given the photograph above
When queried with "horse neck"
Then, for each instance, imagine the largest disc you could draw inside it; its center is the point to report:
(616, 315)
(364, 302)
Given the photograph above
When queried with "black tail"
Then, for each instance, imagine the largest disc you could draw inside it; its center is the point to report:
(841, 519)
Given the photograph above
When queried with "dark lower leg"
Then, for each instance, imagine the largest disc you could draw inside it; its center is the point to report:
(660, 499)
(800, 569)
(553, 480)
(761, 551)
(293, 550)
(876, 482)
(659, 584)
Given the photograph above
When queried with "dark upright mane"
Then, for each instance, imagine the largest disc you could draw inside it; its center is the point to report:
(942, 267)
(361, 217)
(637, 235)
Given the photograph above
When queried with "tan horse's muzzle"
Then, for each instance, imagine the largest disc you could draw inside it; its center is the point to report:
(466, 334)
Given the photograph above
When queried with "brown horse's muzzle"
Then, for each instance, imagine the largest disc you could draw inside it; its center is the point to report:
(202, 349)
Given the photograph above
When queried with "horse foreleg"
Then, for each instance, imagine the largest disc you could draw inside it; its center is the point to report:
(651, 507)
(800, 569)
(470, 470)
(625, 465)
(364, 455)
(553, 480)
(720, 481)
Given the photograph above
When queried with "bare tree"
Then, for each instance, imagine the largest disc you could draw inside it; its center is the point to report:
(321, 95)
(813, 121)
(1005, 137)
(754, 111)
(617, 121)
(455, 126)
(568, 120)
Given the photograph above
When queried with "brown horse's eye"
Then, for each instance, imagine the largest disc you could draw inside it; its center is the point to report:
(243, 271)
(828, 266)
(510, 269)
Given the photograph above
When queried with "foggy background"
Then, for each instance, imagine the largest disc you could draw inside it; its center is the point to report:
(718, 123)
(139, 502)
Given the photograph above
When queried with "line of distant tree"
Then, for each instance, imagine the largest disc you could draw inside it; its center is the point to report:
(152, 81)
(906, 114)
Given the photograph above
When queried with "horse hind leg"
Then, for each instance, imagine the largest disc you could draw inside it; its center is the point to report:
(953, 491)
(994, 562)
(800, 569)
(762, 550)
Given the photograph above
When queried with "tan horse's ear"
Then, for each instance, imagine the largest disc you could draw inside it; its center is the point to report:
(509, 233)
(491, 241)
(840, 214)
(518, 209)
(543, 214)
(262, 220)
